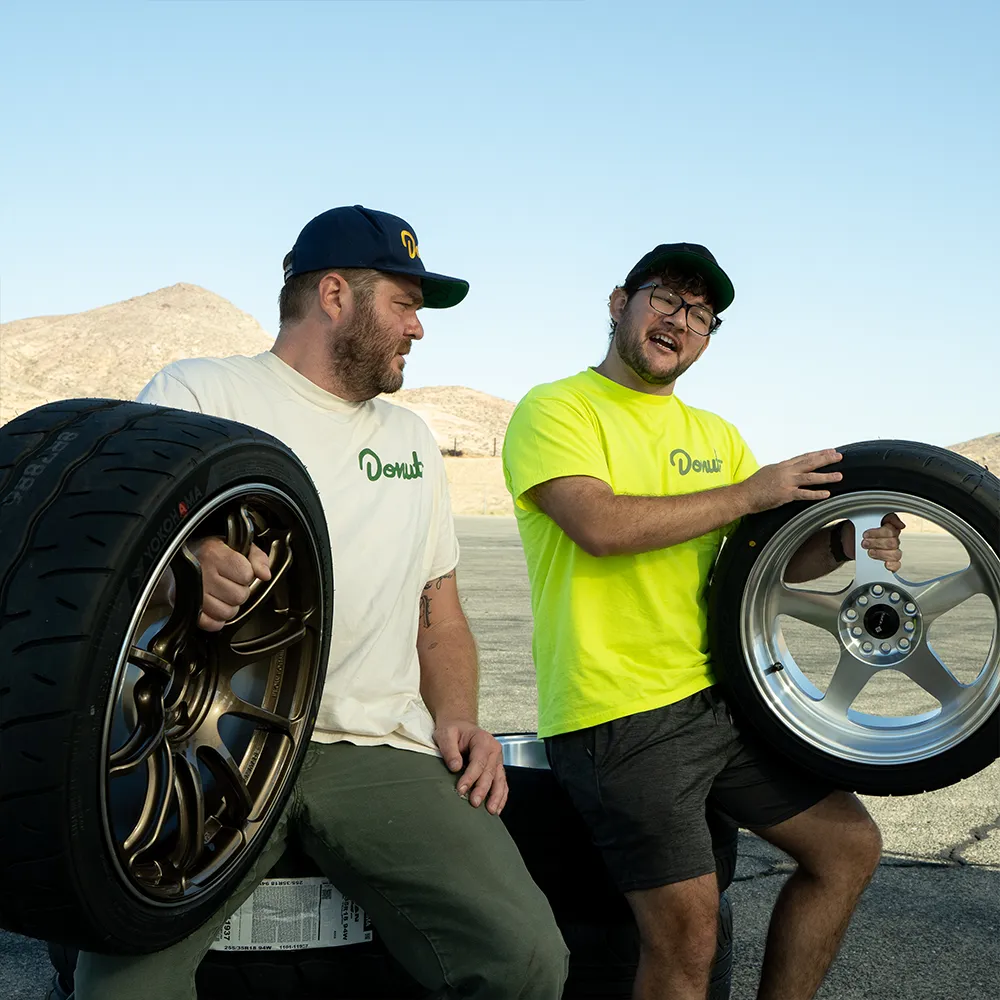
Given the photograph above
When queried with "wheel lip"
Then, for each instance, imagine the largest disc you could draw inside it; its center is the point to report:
(885, 746)
(523, 750)
(193, 518)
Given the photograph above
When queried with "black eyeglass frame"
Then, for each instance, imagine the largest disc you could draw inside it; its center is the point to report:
(686, 306)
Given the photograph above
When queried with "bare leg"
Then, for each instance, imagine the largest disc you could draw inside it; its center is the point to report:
(678, 926)
(837, 846)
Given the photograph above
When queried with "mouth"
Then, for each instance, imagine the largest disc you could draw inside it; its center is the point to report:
(665, 342)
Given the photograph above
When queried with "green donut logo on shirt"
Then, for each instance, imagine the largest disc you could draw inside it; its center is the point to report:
(374, 468)
(685, 463)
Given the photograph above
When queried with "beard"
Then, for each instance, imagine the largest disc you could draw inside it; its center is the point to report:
(361, 356)
(628, 342)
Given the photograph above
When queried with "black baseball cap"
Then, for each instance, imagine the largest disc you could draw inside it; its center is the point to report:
(697, 258)
(355, 236)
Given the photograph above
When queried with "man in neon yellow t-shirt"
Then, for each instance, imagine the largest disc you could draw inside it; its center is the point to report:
(623, 495)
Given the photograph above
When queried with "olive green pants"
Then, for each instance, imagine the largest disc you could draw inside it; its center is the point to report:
(443, 883)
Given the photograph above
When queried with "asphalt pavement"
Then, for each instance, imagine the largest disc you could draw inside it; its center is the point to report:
(928, 927)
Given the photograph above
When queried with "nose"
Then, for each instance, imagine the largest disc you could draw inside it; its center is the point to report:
(678, 321)
(415, 329)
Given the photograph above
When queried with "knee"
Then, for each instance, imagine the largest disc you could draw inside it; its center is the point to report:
(532, 960)
(855, 854)
(541, 963)
(866, 849)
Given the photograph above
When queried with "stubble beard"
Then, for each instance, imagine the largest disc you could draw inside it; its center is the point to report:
(362, 354)
(628, 342)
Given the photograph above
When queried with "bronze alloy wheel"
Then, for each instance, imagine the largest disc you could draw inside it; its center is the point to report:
(144, 761)
(203, 726)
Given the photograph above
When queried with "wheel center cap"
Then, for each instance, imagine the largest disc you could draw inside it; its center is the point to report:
(882, 622)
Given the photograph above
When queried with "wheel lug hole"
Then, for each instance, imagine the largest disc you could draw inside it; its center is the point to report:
(908, 626)
(867, 647)
(894, 597)
(851, 615)
(878, 590)
(910, 608)
(857, 630)
(904, 643)
(863, 600)
(885, 647)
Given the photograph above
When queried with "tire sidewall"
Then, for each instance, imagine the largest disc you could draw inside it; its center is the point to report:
(953, 483)
(96, 869)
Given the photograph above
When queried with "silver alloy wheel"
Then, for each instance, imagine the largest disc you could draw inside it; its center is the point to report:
(880, 621)
(202, 729)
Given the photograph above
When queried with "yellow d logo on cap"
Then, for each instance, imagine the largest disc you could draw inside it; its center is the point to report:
(410, 242)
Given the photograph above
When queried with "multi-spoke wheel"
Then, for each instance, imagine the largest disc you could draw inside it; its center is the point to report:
(209, 722)
(882, 682)
(144, 761)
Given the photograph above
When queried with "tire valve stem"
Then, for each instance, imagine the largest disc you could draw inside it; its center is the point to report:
(774, 668)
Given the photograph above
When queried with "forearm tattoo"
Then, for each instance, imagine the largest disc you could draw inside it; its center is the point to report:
(425, 598)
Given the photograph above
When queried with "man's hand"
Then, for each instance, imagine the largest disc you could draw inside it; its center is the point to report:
(881, 543)
(774, 485)
(226, 577)
(484, 776)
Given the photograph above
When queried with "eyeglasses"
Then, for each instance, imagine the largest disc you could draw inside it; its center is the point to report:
(700, 319)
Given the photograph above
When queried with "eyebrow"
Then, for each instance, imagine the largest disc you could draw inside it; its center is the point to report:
(693, 305)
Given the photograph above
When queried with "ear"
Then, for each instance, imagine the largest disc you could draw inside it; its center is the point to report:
(617, 303)
(334, 295)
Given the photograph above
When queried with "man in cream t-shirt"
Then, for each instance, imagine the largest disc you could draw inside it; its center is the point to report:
(399, 795)
(390, 533)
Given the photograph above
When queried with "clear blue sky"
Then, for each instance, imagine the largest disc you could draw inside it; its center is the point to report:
(840, 159)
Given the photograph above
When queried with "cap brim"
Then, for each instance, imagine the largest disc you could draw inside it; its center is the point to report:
(440, 291)
(720, 288)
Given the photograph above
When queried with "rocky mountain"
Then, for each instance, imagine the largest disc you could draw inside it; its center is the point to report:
(112, 351)
(985, 450)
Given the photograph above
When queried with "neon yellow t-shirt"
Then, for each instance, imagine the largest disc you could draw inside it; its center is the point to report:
(616, 635)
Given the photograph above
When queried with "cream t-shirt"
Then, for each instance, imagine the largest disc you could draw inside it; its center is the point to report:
(389, 534)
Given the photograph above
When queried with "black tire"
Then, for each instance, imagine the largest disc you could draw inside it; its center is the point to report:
(943, 478)
(721, 984)
(357, 971)
(63, 961)
(596, 921)
(91, 492)
(594, 918)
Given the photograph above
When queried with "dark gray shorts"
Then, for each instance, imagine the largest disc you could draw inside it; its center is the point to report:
(648, 785)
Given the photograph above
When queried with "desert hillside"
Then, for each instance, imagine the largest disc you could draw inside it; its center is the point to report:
(112, 351)
(984, 450)
(463, 420)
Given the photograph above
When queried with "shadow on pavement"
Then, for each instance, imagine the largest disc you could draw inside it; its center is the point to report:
(923, 931)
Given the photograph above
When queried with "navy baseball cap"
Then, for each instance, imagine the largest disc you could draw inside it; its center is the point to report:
(694, 256)
(355, 236)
